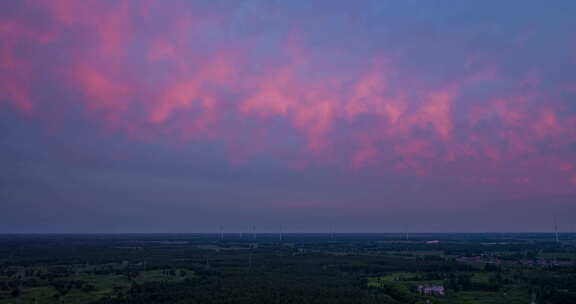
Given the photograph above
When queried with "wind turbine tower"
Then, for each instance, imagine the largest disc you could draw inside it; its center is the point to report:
(332, 232)
(556, 230)
(406, 232)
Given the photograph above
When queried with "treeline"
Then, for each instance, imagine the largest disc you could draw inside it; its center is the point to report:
(260, 288)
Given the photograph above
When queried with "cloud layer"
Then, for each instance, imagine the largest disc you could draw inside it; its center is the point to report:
(477, 92)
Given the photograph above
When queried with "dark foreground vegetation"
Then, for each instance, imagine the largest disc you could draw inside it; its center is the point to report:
(300, 268)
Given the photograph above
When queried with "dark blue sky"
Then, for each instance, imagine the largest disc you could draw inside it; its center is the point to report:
(179, 116)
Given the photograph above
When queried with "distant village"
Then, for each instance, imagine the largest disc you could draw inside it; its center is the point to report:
(539, 262)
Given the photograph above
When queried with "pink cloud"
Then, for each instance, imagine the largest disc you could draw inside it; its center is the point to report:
(178, 81)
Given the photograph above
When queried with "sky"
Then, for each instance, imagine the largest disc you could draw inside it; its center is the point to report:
(368, 116)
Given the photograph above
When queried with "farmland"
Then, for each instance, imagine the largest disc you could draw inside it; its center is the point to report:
(300, 268)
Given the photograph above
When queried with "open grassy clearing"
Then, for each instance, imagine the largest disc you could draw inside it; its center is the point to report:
(94, 286)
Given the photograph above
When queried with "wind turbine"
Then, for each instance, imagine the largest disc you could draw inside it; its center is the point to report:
(556, 229)
(221, 232)
(406, 232)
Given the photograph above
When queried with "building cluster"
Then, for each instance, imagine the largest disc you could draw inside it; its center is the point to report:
(479, 259)
(525, 262)
(431, 290)
(545, 263)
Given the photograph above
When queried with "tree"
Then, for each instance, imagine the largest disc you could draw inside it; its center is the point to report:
(88, 288)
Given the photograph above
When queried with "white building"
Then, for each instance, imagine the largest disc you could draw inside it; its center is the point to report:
(434, 290)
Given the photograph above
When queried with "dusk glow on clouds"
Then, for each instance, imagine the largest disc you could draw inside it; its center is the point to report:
(436, 95)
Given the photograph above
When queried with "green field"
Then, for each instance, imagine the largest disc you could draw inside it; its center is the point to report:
(104, 285)
(407, 282)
